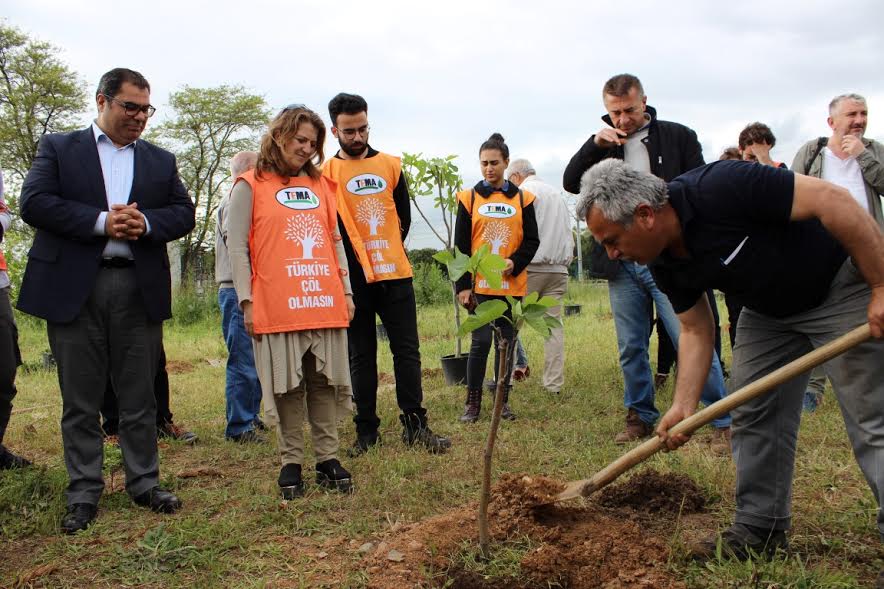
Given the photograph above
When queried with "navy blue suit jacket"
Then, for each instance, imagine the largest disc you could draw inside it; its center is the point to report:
(62, 197)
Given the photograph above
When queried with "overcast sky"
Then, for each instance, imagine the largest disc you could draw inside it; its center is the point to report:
(440, 77)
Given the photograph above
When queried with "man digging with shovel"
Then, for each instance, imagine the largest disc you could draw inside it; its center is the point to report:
(796, 249)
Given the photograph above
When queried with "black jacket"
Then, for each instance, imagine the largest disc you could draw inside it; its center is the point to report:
(62, 197)
(673, 149)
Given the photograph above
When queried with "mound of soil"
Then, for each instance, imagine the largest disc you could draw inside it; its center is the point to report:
(653, 492)
(618, 542)
(178, 366)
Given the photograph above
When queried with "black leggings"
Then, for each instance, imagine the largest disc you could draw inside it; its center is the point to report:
(482, 343)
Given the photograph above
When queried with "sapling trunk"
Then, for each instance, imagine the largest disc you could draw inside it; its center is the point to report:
(457, 348)
(503, 369)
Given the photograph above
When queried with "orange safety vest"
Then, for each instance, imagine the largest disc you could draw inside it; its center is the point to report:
(368, 212)
(296, 280)
(3, 265)
(497, 221)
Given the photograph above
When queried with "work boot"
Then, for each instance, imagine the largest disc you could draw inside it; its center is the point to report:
(473, 406)
(364, 442)
(416, 431)
(291, 485)
(636, 429)
(331, 475)
(660, 380)
(720, 442)
(506, 412)
(741, 542)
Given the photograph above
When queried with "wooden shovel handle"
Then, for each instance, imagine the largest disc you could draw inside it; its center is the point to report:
(750, 391)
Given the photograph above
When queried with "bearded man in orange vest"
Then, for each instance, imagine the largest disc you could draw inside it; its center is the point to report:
(374, 210)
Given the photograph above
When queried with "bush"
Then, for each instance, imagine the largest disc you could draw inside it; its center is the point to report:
(191, 305)
(430, 285)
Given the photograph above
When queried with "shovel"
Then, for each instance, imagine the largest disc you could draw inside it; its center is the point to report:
(761, 386)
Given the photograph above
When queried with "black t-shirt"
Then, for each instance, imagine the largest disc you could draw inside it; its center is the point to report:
(735, 222)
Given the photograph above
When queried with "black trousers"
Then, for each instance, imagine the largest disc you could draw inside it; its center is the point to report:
(110, 336)
(734, 306)
(10, 359)
(110, 411)
(666, 353)
(392, 301)
(481, 346)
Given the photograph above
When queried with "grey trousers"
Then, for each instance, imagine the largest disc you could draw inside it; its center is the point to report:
(765, 430)
(552, 284)
(110, 336)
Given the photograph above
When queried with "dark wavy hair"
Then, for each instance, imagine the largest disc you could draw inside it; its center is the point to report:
(496, 142)
(282, 129)
(347, 104)
(756, 133)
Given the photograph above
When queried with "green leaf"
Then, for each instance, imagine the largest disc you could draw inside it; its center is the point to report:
(457, 263)
(539, 325)
(530, 299)
(485, 313)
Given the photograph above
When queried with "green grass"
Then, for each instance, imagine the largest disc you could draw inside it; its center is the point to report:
(234, 531)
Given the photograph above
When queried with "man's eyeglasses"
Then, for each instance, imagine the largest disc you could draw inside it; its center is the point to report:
(350, 133)
(133, 109)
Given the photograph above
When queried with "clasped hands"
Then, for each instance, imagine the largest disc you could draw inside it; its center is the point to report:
(125, 222)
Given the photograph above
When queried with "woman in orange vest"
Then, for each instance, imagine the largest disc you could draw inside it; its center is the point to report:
(495, 212)
(290, 275)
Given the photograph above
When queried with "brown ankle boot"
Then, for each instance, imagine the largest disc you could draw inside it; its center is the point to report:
(636, 429)
(472, 407)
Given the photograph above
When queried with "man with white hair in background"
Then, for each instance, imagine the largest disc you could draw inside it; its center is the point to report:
(242, 390)
(848, 159)
(548, 270)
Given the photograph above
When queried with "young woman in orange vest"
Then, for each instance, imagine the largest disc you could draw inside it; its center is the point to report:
(290, 275)
(495, 212)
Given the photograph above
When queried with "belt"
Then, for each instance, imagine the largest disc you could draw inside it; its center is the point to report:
(116, 263)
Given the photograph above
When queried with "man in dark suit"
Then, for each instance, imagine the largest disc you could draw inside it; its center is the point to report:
(105, 204)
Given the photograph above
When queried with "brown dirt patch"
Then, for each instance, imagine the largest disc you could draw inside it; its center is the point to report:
(615, 542)
(386, 378)
(178, 366)
(431, 372)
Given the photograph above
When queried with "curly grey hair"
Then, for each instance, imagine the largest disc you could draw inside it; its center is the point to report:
(617, 189)
(842, 97)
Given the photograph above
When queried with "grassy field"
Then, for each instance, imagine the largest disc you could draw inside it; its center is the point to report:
(234, 531)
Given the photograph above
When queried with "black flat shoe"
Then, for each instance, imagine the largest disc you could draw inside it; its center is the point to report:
(78, 517)
(291, 485)
(159, 500)
(248, 437)
(8, 460)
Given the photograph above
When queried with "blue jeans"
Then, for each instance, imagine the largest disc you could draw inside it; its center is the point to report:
(243, 391)
(632, 292)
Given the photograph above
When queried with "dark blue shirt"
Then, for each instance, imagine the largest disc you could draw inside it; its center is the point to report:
(734, 218)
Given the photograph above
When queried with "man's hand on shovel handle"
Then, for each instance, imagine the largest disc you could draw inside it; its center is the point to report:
(675, 415)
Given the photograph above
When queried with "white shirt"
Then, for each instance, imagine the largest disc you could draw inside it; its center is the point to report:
(635, 152)
(118, 169)
(846, 174)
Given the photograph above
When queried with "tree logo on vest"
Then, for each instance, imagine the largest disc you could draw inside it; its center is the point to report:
(298, 198)
(371, 212)
(305, 230)
(365, 184)
(497, 234)
(497, 210)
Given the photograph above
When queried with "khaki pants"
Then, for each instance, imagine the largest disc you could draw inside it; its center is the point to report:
(552, 284)
(321, 404)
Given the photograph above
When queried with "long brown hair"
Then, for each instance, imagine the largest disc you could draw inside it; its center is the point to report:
(282, 129)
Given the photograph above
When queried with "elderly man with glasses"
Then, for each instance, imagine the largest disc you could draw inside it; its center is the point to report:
(104, 204)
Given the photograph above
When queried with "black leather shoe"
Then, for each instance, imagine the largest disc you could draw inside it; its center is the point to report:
(259, 424)
(78, 517)
(363, 443)
(8, 460)
(171, 431)
(248, 437)
(159, 500)
(741, 542)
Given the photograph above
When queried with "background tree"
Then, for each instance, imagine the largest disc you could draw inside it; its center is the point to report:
(39, 94)
(209, 126)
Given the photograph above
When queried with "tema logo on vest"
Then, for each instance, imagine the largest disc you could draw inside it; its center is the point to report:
(298, 198)
(497, 210)
(366, 184)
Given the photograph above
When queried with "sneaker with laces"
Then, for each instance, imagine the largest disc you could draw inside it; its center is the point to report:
(171, 431)
(331, 475)
(248, 437)
(741, 542)
(720, 442)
